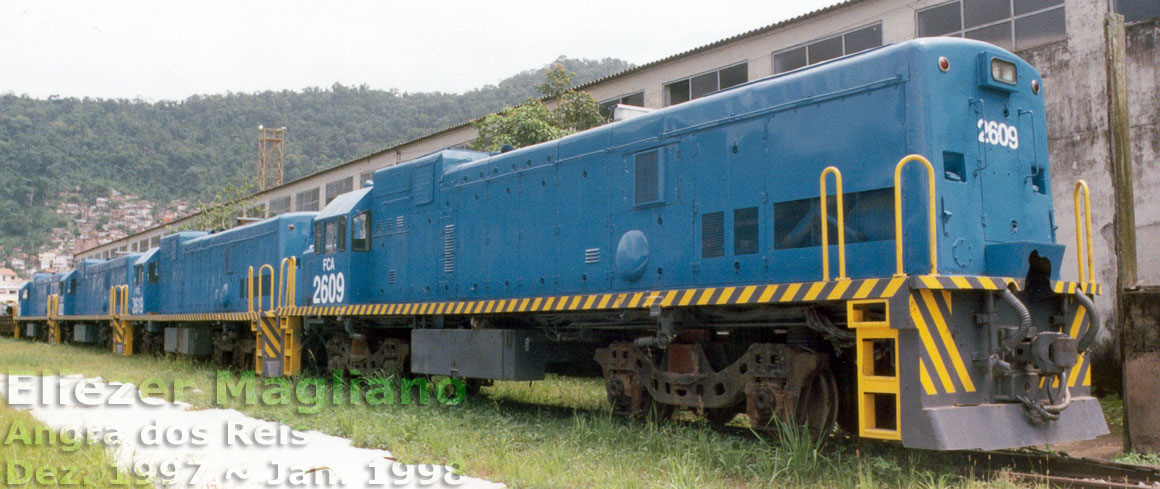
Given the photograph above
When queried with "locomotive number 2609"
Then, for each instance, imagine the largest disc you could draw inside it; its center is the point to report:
(998, 133)
(329, 287)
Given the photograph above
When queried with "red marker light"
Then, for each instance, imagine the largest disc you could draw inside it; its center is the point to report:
(944, 64)
(1035, 86)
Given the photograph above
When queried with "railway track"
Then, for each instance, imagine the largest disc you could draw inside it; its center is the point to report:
(1061, 471)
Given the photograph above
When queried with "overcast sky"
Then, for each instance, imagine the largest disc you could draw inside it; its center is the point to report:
(170, 50)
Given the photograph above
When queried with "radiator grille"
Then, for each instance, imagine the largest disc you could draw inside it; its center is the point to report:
(713, 235)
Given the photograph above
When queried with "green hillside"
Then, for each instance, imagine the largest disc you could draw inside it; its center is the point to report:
(186, 149)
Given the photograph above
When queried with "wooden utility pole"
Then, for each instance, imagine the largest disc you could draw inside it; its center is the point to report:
(1139, 350)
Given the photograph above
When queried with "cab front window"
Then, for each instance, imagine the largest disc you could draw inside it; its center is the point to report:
(330, 237)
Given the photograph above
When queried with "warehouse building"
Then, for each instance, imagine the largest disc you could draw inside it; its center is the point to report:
(1064, 39)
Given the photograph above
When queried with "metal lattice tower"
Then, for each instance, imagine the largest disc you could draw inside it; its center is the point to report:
(270, 157)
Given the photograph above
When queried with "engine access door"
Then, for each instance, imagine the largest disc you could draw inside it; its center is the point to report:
(1014, 184)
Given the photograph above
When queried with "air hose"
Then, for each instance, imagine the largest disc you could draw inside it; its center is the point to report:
(1024, 321)
(1085, 342)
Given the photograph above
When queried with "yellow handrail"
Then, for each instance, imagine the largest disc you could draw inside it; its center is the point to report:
(898, 213)
(124, 289)
(113, 300)
(826, 225)
(250, 286)
(287, 283)
(1086, 231)
(260, 289)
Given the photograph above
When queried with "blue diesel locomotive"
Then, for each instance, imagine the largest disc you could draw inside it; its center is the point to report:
(769, 250)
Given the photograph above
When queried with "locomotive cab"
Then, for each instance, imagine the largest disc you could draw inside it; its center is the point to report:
(342, 242)
(146, 281)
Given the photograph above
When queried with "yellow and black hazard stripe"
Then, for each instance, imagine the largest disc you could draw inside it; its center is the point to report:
(270, 339)
(1081, 373)
(979, 282)
(941, 367)
(1071, 287)
(223, 316)
(835, 290)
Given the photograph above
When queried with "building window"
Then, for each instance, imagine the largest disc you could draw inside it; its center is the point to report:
(155, 241)
(828, 48)
(364, 177)
(306, 201)
(280, 206)
(1137, 10)
(607, 106)
(701, 85)
(338, 187)
(1013, 25)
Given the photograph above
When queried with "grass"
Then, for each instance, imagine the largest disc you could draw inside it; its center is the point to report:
(31, 453)
(554, 433)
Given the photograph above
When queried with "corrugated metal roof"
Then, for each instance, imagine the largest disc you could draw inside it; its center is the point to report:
(744, 35)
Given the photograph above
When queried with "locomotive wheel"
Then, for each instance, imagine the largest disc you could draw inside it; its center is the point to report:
(817, 405)
(630, 398)
(243, 357)
(761, 399)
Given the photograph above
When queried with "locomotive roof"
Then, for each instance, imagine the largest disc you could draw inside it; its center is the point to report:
(343, 204)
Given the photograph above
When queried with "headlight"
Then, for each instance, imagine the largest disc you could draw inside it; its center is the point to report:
(1003, 71)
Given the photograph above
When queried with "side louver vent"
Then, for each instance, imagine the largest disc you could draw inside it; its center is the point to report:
(712, 235)
(592, 255)
(392, 276)
(449, 248)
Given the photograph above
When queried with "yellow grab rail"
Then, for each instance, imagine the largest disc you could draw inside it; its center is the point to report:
(287, 283)
(52, 306)
(113, 295)
(898, 213)
(119, 300)
(124, 290)
(1084, 233)
(261, 290)
(826, 225)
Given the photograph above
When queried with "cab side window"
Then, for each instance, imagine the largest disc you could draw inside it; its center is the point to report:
(360, 232)
(154, 275)
(138, 274)
(341, 233)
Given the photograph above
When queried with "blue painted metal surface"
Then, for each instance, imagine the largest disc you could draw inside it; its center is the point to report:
(667, 199)
(717, 191)
(207, 273)
(34, 295)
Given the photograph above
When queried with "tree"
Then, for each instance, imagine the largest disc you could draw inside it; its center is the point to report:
(221, 213)
(532, 122)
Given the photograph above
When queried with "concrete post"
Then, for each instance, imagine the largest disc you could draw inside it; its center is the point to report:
(1137, 311)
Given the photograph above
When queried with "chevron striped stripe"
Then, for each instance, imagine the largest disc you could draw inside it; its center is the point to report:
(979, 282)
(837, 290)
